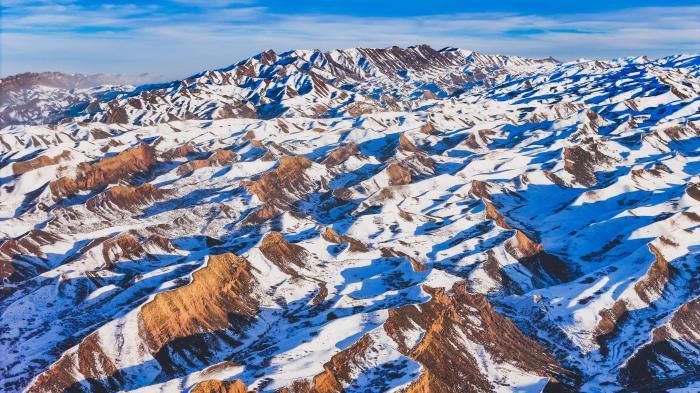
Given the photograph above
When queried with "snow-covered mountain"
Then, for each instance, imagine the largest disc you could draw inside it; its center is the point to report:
(48, 97)
(362, 220)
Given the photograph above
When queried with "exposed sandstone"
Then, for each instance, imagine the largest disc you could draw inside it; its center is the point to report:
(332, 236)
(220, 293)
(428, 128)
(106, 171)
(398, 175)
(24, 247)
(340, 154)
(495, 215)
(21, 167)
(86, 369)
(218, 158)
(218, 386)
(178, 152)
(288, 177)
(125, 197)
(287, 256)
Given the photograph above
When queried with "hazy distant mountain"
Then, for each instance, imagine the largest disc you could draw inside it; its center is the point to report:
(46, 97)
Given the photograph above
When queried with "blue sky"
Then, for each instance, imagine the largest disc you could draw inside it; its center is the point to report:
(176, 38)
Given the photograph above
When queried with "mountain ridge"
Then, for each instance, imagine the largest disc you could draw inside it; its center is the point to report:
(360, 220)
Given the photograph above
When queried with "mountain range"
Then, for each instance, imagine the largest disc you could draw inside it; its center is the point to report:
(359, 220)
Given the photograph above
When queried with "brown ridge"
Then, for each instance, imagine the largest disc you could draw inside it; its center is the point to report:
(126, 197)
(218, 386)
(272, 186)
(340, 154)
(21, 167)
(220, 292)
(218, 158)
(332, 236)
(282, 253)
(108, 170)
(398, 174)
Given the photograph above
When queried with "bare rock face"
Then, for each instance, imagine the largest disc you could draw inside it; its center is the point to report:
(178, 152)
(398, 175)
(219, 295)
(125, 197)
(218, 158)
(86, 369)
(109, 170)
(21, 258)
(447, 368)
(582, 161)
(21, 167)
(340, 154)
(288, 178)
(332, 236)
(287, 256)
(217, 386)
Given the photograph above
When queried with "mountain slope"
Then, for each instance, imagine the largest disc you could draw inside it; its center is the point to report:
(360, 220)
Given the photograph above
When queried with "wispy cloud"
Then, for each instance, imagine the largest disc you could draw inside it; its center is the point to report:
(184, 36)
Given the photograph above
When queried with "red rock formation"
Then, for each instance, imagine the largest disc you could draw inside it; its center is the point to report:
(406, 144)
(88, 365)
(217, 386)
(398, 175)
(218, 158)
(287, 256)
(21, 167)
(178, 152)
(449, 367)
(106, 171)
(428, 128)
(332, 236)
(224, 287)
(25, 246)
(125, 197)
(340, 154)
(274, 187)
(495, 215)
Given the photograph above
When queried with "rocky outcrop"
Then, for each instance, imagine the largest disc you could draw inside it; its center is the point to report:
(125, 197)
(219, 297)
(288, 257)
(106, 171)
(449, 366)
(332, 236)
(218, 386)
(218, 158)
(340, 154)
(21, 167)
(275, 187)
(22, 257)
(86, 368)
(582, 161)
(178, 152)
(398, 175)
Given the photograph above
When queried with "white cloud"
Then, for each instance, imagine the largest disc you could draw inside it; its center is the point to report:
(134, 39)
